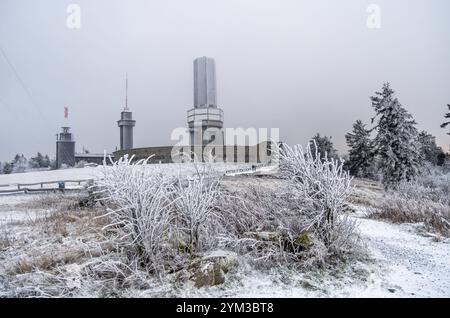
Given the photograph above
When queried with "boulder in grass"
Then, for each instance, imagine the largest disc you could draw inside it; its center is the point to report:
(209, 269)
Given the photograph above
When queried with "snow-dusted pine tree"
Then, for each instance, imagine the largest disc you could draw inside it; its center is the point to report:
(431, 152)
(324, 146)
(7, 168)
(447, 116)
(20, 164)
(360, 154)
(396, 142)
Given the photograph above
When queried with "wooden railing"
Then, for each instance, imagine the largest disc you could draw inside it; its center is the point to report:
(61, 185)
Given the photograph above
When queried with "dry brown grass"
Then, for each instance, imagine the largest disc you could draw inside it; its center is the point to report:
(52, 202)
(53, 234)
(72, 222)
(65, 216)
(435, 216)
(366, 192)
(45, 262)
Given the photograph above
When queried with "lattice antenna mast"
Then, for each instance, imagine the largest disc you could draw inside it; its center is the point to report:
(126, 92)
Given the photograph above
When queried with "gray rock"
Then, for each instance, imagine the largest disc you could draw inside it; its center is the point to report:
(209, 274)
(210, 269)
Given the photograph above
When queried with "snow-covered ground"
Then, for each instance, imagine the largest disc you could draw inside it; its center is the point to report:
(412, 264)
(401, 263)
(19, 208)
(51, 175)
(96, 172)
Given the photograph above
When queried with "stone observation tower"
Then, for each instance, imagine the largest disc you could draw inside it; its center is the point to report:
(205, 115)
(126, 124)
(65, 145)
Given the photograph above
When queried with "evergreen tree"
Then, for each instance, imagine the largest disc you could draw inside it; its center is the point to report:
(325, 147)
(396, 142)
(430, 152)
(20, 164)
(447, 116)
(7, 168)
(46, 163)
(360, 154)
(38, 161)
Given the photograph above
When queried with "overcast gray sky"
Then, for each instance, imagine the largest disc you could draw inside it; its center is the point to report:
(301, 66)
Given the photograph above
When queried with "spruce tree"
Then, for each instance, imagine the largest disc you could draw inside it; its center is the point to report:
(447, 116)
(325, 147)
(7, 168)
(38, 161)
(430, 152)
(396, 142)
(360, 154)
(20, 164)
(46, 162)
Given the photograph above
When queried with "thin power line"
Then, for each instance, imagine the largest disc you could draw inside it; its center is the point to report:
(21, 82)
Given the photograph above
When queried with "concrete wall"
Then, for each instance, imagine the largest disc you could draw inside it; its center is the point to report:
(161, 154)
(252, 154)
(89, 158)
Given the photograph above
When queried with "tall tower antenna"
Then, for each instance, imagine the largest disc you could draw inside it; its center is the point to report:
(126, 91)
(126, 123)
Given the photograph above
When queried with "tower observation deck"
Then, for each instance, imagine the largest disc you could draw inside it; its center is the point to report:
(205, 115)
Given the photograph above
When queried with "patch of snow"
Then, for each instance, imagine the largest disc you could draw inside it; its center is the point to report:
(51, 175)
(21, 216)
(96, 172)
(414, 265)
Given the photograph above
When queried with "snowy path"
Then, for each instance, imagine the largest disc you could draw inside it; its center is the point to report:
(412, 265)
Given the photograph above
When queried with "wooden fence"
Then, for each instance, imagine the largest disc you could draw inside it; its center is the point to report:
(44, 186)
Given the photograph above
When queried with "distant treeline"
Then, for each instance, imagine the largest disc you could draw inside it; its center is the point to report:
(21, 164)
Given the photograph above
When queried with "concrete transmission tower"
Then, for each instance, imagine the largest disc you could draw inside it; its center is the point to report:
(205, 116)
(126, 123)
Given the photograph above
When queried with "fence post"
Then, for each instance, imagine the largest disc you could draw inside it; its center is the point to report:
(61, 186)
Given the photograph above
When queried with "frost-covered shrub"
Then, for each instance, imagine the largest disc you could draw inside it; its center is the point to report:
(164, 221)
(302, 224)
(196, 219)
(81, 164)
(321, 188)
(155, 216)
(425, 200)
(432, 184)
(252, 209)
(267, 226)
(140, 209)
